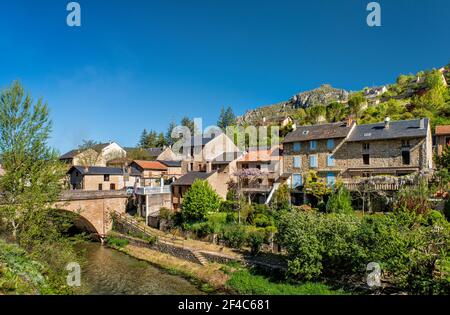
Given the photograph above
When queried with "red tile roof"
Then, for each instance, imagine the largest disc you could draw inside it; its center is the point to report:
(151, 165)
(443, 130)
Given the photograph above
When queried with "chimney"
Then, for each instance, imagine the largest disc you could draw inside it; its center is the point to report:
(422, 123)
(386, 122)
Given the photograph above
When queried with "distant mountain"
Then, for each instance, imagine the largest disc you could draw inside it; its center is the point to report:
(425, 94)
(323, 95)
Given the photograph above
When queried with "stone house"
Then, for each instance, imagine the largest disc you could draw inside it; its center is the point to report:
(442, 136)
(269, 163)
(153, 172)
(97, 155)
(101, 178)
(199, 152)
(218, 181)
(348, 151)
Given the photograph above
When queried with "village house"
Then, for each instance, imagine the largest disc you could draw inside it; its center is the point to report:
(152, 172)
(442, 138)
(173, 169)
(97, 155)
(268, 163)
(348, 151)
(206, 158)
(374, 94)
(200, 151)
(101, 178)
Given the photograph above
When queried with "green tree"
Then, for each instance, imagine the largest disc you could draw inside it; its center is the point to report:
(316, 186)
(336, 112)
(355, 104)
(148, 139)
(200, 200)
(226, 118)
(160, 141)
(87, 144)
(189, 123)
(31, 184)
(340, 201)
(169, 140)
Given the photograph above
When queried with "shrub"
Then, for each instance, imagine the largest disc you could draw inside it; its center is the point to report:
(200, 200)
(235, 235)
(411, 249)
(116, 242)
(256, 238)
(447, 209)
(340, 201)
(216, 221)
(262, 220)
(413, 199)
(228, 206)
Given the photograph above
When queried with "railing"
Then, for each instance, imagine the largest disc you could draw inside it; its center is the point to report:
(152, 190)
(141, 227)
(359, 185)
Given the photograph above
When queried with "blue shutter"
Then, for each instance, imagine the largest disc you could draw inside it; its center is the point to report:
(297, 180)
(297, 162)
(330, 160)
(313, 145)
(330, 144)
(331, 179)
(313, 160)
(297, 146)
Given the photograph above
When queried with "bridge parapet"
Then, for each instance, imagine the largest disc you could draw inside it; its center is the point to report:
(69, 195)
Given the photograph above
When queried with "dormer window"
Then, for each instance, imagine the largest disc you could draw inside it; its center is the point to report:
(368, 134)
(305, 132)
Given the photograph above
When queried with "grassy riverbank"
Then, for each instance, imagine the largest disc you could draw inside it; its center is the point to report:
(218, 278)
(19, 274)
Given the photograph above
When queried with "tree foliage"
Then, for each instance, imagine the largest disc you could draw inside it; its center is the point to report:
(200, 200)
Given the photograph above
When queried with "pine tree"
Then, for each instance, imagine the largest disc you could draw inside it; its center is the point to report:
(226, 118)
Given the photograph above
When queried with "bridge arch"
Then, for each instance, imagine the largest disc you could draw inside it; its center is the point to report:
(94, 208)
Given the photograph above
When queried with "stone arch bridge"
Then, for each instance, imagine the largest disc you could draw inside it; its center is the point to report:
(93, 208)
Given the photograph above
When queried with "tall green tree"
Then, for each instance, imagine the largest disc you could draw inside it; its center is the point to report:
(356, 103)
(189, 123)
(226, 118)
(33, 173)
(169, 139)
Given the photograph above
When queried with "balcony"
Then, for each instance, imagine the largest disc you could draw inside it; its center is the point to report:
(147, 190)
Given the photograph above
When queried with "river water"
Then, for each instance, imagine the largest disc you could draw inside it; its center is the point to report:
(110, 272)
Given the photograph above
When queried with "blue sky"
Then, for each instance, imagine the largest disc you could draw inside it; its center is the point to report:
(139, 64)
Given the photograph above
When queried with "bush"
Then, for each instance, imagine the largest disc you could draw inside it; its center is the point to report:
(235, 236)
(228, 206)
(256, 239)
(116, 242)
(340, 202)
(447, 209)
(413, 199)
(200, 200)
(411, 249)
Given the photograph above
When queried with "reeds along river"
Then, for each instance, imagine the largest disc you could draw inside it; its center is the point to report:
(110, 272)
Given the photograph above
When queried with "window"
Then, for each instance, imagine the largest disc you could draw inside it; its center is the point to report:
(106, 178)
(331, 179)
(366, 159)
(313, 145)
(297, 181)
(100, 186)
(313, 161)
(330, 160)
(447, 141)
(405, 144)
(406, 157)
(112, 186)
(366, 146)
(330, 144)
(245, 166)
(297, 146)
(297, 162)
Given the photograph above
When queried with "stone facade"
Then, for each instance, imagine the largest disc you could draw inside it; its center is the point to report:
(348, 159)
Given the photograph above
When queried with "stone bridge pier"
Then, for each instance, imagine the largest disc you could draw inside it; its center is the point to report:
(93, 208)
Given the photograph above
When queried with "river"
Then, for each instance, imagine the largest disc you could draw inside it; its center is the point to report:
(111, 272)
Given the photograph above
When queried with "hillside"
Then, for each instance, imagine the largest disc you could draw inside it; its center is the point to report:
(425, 94)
